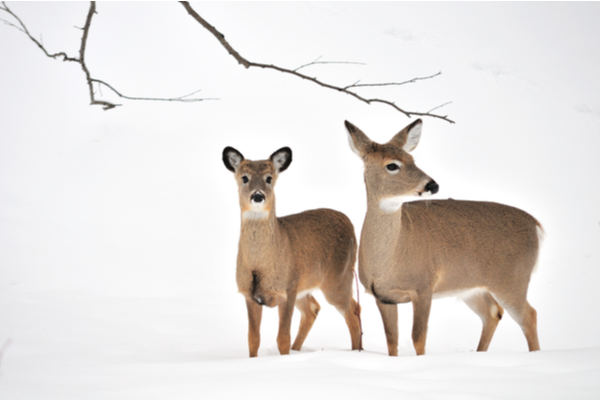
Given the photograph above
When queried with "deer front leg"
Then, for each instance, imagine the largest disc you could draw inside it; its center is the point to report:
(421, 308)
(254, 317)
(286, 309)
(389, 315)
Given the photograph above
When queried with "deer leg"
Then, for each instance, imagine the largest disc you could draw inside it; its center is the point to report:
(389, 315)
(254, 317)
(529, 327)
(490, 312)
(309, 307)
(525, 315)
(352, 316)
(421, 308)
(341, 299)
(527, 319)
(286, 310)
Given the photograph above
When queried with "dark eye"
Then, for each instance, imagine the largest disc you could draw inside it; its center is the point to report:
(392, 167)
(269, 180)
(245, 179)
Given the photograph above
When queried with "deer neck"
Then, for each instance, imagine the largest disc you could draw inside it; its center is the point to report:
(260, 237)
(380, 234)
(383, 224)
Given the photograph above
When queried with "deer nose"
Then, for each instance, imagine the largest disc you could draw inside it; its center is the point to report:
(432, 187)
(257, 197)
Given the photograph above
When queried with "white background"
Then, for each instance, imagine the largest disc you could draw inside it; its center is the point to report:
(119, 229)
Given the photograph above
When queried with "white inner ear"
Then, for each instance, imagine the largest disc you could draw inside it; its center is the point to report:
(352, 146)
(279, 160)
(234, 159)
(414, 135)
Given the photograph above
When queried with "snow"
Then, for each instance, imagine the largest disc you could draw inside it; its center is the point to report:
(118, 229)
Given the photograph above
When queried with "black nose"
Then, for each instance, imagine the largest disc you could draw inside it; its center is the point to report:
(257, 197)
(432, 187)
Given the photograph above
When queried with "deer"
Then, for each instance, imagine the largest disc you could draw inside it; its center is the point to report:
(414, 251)
(282, 260)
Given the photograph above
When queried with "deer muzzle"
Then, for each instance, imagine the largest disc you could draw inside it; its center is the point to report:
(257, 197)
(432, 187)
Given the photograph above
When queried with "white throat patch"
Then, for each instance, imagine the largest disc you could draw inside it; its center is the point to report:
(255, 215)
(256, 212)
(391, 204)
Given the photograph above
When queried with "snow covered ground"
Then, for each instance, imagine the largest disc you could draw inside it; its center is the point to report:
(118, 229)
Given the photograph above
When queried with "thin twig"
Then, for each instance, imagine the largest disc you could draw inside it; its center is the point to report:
(413, 80)
(183, 99)
(246, 63)
(317, 62)
(440, 106)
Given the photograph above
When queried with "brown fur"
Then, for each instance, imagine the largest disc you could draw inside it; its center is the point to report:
(440, 247)
(281, 259)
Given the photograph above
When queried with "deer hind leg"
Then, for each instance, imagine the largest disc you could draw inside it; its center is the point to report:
(309, 308)
(352, 316)
(525, 315)
(490, 312)
(341, 299)
(529, 327)
(254, 318)
(527, 319)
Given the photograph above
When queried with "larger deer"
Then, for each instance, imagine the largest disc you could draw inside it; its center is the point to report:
(281, 260)
(415, 251)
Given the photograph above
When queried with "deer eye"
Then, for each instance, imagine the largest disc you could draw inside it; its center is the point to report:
(393, 167)
(245, 179)
(269, 179)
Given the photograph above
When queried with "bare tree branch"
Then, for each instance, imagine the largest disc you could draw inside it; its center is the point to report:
(106, 105)
(21, 26)
(246, 63)
(220, 37)
(81, 60)
(86, 29)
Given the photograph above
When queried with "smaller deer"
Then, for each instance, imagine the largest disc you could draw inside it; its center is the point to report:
(281, 260)
(415, 251)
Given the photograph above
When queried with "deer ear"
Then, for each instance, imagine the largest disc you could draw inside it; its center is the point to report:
(232, 158)
(357, 139)
(282, 159)
(408, 138)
